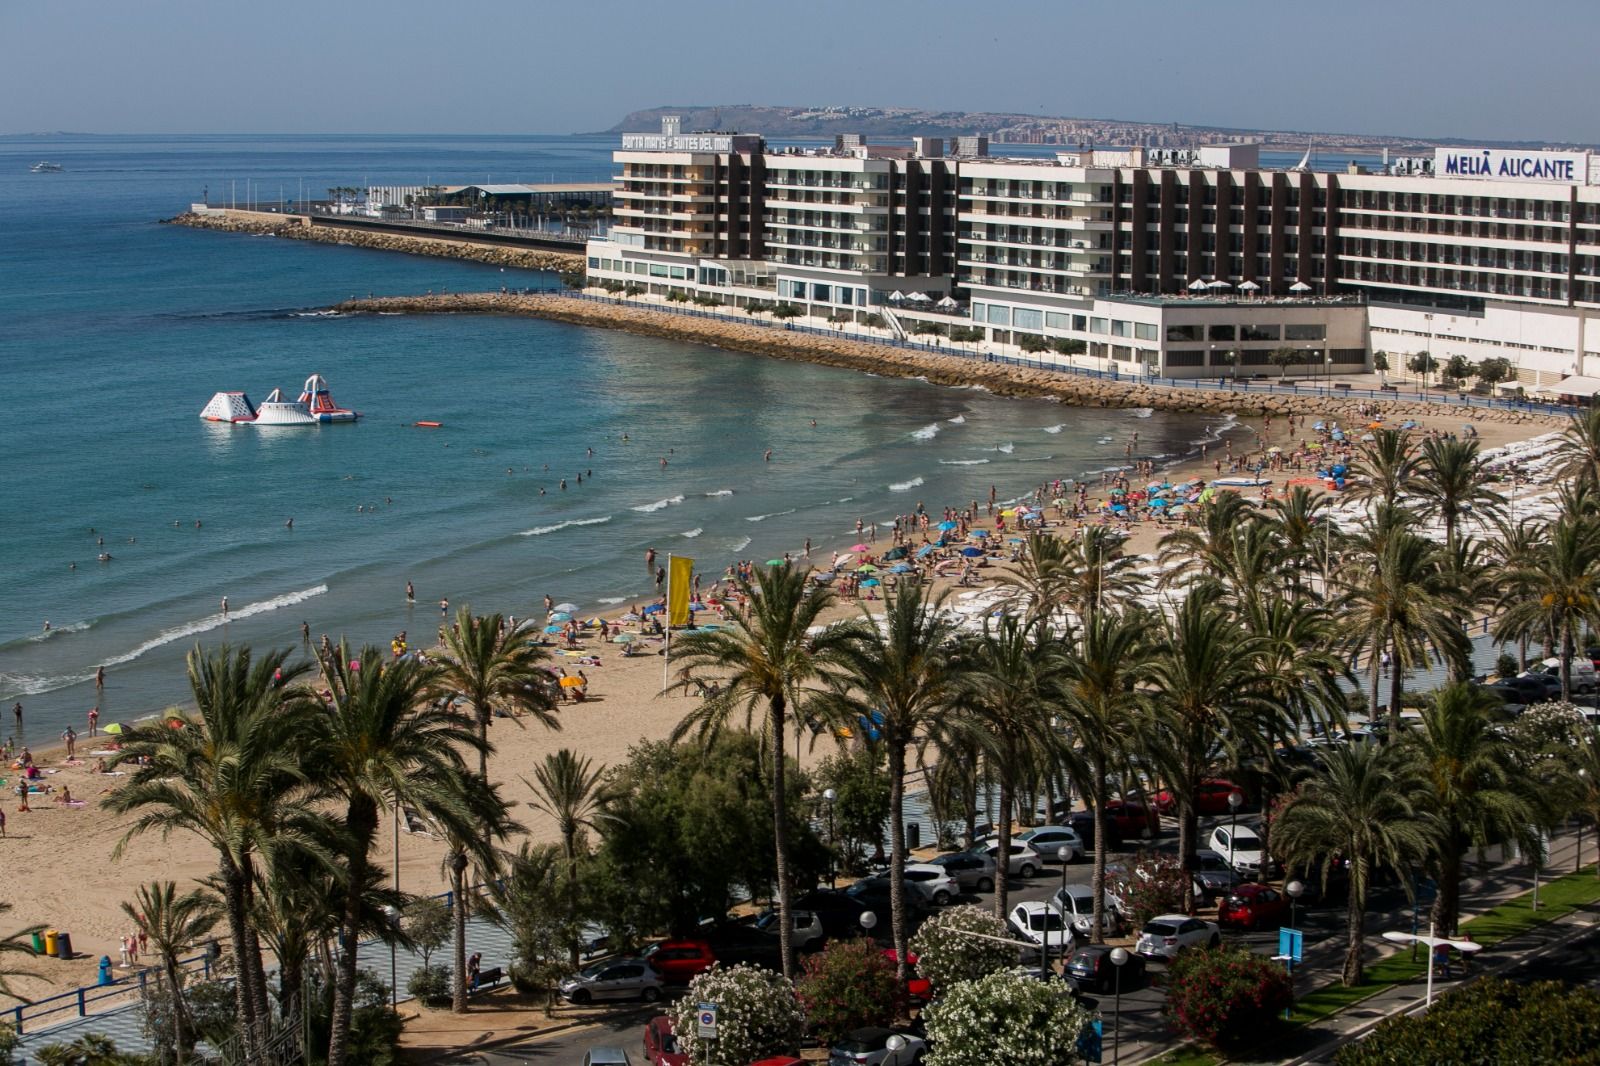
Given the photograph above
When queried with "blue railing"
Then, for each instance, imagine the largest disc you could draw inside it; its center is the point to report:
(78, 999)
(1263, 388)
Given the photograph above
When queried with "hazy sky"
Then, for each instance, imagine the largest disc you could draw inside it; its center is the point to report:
(1433, 68)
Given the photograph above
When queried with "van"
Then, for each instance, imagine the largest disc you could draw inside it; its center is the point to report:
(1584, 679)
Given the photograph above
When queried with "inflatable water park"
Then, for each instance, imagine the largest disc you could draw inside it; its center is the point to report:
(314, 407)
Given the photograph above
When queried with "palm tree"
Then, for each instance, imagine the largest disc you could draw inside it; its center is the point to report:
(571, 791)
(1041, 579)
(1556, 589)
(765, 659)
(1473, 788)
(1361, 807)
(1452, 481)
(1102, 701)
(494, 672)
(383, 744)
(174, 924)
(233, 776)
(1386, 468)
(15, 944)
(1100, 573)
(901, 669)
(1299, 517)
(1208, 697)
(489, 824)
(1006, 675)
(1580, 442)
(1206, 548)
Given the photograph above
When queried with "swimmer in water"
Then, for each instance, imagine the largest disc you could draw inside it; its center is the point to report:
(768, 456)
(72, 566)
(289, 524)
(624, 440)
(563, 484)
(663, 462)
(47, 625)
(411, 593)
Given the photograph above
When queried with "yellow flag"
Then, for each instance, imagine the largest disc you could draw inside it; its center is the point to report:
(680, 571)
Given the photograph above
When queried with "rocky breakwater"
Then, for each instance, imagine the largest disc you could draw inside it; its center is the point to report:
(296, 227)
(888, 360)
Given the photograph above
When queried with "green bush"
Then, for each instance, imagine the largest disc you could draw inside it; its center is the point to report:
(848, 985)
(431, 984)
(786, 310)
(1226, 996)
(933, 328)
(1006, 1017)
(965, 334)
(1492, 1020)
(861, 807)
(757, 1016)
(874, 320)
(677, 296)
(946, 956)
(1069, 347)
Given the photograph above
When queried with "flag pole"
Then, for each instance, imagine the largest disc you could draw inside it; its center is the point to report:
(666, 655)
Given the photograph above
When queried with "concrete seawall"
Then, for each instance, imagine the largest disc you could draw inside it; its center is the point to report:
(297, 227)
(889, 361)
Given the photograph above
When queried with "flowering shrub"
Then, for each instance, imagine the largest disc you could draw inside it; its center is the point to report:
(1493, 1019)
(849, 985)
(945, 956)
(1153, 884)
(757, 1016)
(1226, 996)
(1005, 1019)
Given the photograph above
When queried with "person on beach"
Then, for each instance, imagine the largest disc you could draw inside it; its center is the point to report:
(411, 593)
(444, 608)
(70, 735)
(17, 711)
(305, 632)
(100, 679)
(650, 558)
(22, 795)
(224, 606)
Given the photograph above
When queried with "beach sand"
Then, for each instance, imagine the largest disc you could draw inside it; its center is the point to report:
(58, 866)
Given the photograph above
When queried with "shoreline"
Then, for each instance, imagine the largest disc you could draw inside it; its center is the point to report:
(294, 227)
(853, 353)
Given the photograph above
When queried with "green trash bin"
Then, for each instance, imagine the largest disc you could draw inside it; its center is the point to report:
(38, 944)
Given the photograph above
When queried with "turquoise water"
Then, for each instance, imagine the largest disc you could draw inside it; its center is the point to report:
(115, 331)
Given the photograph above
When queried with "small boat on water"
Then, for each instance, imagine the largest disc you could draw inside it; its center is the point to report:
(314, 407)
(46, 167)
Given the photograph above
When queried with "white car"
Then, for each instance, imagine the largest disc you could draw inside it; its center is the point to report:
(1039, 924)
(1024, 862)
(1048, 840)
(934, 882)
(1240, 845)
(1164, 936)
(1077, 903)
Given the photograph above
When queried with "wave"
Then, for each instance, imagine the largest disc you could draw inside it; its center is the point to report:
(721, 492)
(612, 601)
(1005, 449)
(927, 432)
(215, 621)
(1103, 440)
(695, 532)
(1057, 428)
(904, 486)
(539, 531)
(744, 542)
(846, 499)
(1036, 459)
(957, 420)
(658, 505)
(14, 685)
(962, 462)
(764, 517)
(46, 634)
(1142, 412)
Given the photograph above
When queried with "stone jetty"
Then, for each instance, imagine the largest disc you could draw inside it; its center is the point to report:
(886, 360)
(298, 228)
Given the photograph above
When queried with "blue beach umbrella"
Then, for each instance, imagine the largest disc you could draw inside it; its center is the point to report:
(654, 608)
(560, 616)
(972, 553)
(552, 629)
(870, 582)
(947, 526)
(926, 549)
(899, 568)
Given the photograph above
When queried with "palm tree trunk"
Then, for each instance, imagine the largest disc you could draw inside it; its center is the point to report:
(571, 844)
(179, 1021)
(780, 835)
(251, 957)
(1002, 855)
(1097, 882)
(458, 911)
(1396, 686)
(1188, 835)
(1568, 648)
(1447, 902)
(897, 854)
(361, 819)
(1355, 931)
(1373, 678)
(483, 735)
(249, 1030)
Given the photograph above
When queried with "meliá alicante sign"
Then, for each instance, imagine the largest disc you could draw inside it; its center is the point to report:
(1500, 165)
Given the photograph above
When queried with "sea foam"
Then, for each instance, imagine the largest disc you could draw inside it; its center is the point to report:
(216, 621)
(539, 531)
(962, 462)
(905, 486)
(927, 432)
(658, 505)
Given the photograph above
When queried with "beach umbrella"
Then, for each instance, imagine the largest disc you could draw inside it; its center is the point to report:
(870, 582)
(859, 548)
(1014, 540)
(624, 638)
(571, 682)
(896, 553)
(561, 616)
(654, 608)
(1197, 285)
(843, 557)
(553, 629)
(565, 607)
(114, 729)
(897, 297)
(1274, 450)
(947, 526)
(1249, 286)
(977, 534)
(899, 568)
(1219, 285)
(972, 553)
(866, 568)
(926, 549)
(1369, 436)
(947, 303)
(630, 617)
(774, 562)
(1299, 286)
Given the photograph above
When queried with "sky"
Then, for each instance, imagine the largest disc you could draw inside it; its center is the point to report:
(1428, 68)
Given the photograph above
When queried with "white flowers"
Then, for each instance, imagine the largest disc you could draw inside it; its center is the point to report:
(946, 955)
(757, 1015)
(1005, 1019)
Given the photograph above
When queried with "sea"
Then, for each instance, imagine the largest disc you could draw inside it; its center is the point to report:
(116, 330)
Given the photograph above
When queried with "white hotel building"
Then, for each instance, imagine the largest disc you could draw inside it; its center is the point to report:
(1186, 263)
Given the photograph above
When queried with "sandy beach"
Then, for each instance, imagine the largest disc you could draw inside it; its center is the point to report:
(59, 871)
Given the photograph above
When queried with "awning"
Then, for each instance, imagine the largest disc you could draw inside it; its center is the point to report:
(1577, 385)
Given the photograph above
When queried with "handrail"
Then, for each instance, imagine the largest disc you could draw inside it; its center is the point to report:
(79, 998)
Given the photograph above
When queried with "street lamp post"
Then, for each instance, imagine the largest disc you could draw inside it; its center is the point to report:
(1294, 889)
(394, 982)
(830, 796)
(1577, 862)
(1119, 959)
(1235, 801)
(868, 920)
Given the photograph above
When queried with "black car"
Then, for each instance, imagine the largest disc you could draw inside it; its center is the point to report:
(872, 894)
(840, 912)
(1525, 690)
(1091, 968)
(1082, 822)
(1212, 874)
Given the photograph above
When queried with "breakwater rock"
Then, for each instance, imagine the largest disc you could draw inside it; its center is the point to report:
(889, 361)
(294, 227)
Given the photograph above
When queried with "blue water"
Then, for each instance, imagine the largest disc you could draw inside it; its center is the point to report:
(115, 331)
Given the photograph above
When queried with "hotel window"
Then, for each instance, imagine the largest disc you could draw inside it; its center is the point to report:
(1022, 318)
(1220, 333)
(1121, 328)
(999, 316)
(980, 311)
(1183, 333)
(658, 270)
(1186, 358)
(1258, 333)
(1099, 325)
(1146, 331)
(1305, 332)
(1080, 322)
(1056, 320)
(594, 262)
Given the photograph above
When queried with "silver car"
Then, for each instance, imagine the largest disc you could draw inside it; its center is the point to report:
(606, 1056)
(613, 979)
(1025, 862)
(972, 871)
(935, 883)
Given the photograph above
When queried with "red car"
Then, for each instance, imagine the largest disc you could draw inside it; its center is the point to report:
(1211, 799)
(781, 1060)
(1134, 821)
(917, 987)
(1253, 906)
(679, 961)
(660, 1046)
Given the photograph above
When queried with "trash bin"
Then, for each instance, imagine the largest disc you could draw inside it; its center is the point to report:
(50, 936)
(913, 836)
(38, 944)
(64, 945)
(106, 977)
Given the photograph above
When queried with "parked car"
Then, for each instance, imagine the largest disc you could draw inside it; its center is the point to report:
(840, 911)
(1253, 907)
(1240, 844)
(973, 871)
(1133, 819)
(870, 1047)
(806, 930)
(1213, 877)
(1582, 671)
(936, 884)
(1164, 936)
(780, 1060)
(678, 961)
(1039, 924)
(872, 894)
(1024, 861)
(1076, 904)
(1524, 690)
(613, 979)
(606, 1056)
(917, 986)
(1090, 967)
(661, 1044)
(1082, 823)
(1212, 797)
(1048, 840)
